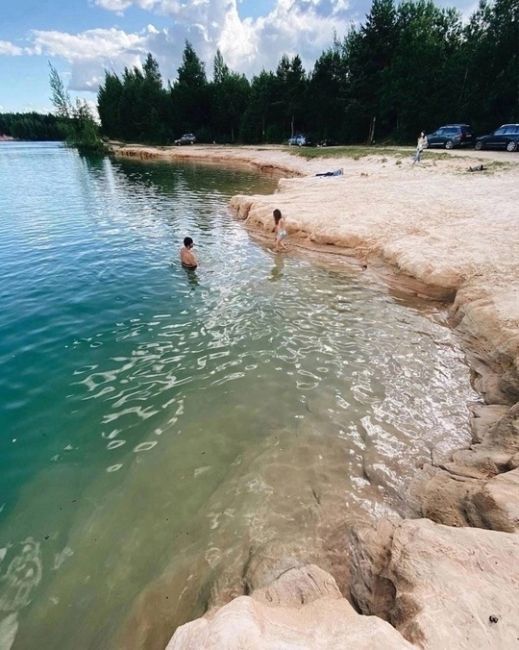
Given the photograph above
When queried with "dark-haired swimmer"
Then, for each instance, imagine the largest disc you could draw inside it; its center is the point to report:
(187, 257)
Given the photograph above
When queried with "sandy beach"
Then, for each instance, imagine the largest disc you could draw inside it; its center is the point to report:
(435, 230)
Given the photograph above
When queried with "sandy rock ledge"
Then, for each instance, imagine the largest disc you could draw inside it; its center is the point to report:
(453, 587)
(302, 610)
(439, 586)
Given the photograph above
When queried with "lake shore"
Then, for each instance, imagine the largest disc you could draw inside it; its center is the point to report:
(434, 230)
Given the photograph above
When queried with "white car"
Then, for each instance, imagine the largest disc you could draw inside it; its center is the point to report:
(187, 138)
(297, 140)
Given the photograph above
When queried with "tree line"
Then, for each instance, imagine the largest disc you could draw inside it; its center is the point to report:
(32, 126)
(409, 66)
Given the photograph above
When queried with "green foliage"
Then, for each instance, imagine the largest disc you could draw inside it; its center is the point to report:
(32, 126)
(191, 73)
(190, 95)
(229, 98)
(60, 98)
(83, 132)
(410, 66)
(290, 90)
(326, 95)
(260, 110)
(491, 64)
(79, 126)
(109, 105)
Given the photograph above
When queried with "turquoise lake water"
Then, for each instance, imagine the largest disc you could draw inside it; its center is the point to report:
(158, 428)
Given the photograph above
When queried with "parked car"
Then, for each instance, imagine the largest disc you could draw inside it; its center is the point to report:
(505, 137)
(187, 138)
(327, 142)
(297, 140)
(452, 135)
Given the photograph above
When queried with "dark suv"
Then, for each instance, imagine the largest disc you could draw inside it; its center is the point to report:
(505, 137)
(187, 138)
(451, 135)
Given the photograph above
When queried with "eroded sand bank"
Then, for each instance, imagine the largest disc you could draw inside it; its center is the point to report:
(456, 234)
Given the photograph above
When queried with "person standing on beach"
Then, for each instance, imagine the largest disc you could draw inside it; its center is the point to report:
(187, 257)
(280, 230)
(420, 146)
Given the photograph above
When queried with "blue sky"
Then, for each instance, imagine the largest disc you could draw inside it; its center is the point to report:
(82, 38)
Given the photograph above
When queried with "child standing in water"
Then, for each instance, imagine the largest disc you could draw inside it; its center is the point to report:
(280, 230)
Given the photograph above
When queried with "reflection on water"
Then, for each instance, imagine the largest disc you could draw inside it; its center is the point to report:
(169, 435)
(277, 270)
(192, 277)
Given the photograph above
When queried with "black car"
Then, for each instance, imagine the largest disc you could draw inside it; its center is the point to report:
(187, 138)
(505, 137)
(451, 135)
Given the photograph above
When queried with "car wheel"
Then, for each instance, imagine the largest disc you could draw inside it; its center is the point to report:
(449, 144)
(511, 146)
(478, 146)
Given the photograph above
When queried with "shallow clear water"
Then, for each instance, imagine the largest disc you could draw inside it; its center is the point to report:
(159, 428)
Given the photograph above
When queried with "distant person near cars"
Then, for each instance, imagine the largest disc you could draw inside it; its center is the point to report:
(420, 146)
(187, 257)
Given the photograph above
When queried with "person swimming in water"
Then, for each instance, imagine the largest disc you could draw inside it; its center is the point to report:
(187, 257)
(280, 230)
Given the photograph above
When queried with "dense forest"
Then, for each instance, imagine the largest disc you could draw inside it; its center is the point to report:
(32, 126)
(410, 66)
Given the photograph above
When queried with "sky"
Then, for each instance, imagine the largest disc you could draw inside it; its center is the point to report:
(83, 38)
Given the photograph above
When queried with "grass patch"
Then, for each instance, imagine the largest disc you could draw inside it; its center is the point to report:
(349, 152)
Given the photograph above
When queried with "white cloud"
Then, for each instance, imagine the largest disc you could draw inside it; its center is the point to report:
(92, 52)
(303, 27)
(293, 26)
(9, 49)
(114, 5)
(91, 44)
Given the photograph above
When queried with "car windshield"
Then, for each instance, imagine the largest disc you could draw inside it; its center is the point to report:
(500, 131)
